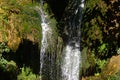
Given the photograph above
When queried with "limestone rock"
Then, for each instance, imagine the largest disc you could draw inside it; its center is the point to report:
(112, 67)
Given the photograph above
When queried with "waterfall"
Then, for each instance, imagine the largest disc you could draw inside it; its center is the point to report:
(71, 64)
(71, 55)
(44, 44)
(45, 31)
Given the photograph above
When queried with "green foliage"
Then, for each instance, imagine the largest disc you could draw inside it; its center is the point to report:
(87, 60)
(100, 63)
(4, 48)
(96, 5)
(30, 19)
(11, 66)
(99, 34)
(7, 66)
(118, 51)
(91, 3)
(18, 19)
(102, 49)
(52, 37)
(95, 33)
(26, 74)
(3, 64)
(23, 12)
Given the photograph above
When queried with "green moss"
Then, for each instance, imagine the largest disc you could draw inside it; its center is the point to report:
(20, 17)
(19, 20)
(52, 41)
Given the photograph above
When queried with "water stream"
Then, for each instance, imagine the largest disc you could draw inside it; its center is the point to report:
(45, 31)
(71, 64)
(72, 55)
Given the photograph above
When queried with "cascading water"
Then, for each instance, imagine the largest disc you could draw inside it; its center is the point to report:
(72, 57)
(45, 31)
(47, 55)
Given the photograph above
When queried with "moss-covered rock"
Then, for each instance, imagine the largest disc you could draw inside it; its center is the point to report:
(19, 28)
(18, 20)
(112, 67)
(109, 72)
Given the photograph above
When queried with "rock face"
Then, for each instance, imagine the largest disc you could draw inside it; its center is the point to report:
(112, 67)
(19, 38)
(17, 24)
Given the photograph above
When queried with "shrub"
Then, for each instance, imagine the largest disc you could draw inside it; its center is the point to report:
(26, 74)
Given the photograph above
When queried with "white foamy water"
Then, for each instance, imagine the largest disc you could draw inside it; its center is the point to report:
(82, 3)
(44, 44)
(72, 56)
(45, 31)
(71, 63)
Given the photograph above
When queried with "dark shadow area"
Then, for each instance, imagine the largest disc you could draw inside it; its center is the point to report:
(28, 54)
(57, 7)
(7, 75)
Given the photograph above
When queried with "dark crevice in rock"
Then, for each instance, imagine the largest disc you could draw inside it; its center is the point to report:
(58, 7)
(26, 55)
